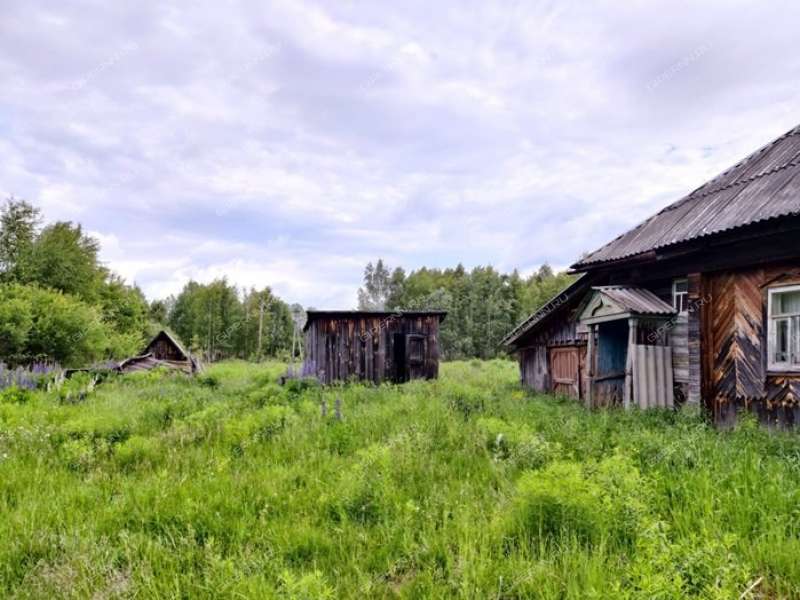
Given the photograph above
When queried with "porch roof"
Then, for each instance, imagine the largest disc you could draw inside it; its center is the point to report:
(609, 303)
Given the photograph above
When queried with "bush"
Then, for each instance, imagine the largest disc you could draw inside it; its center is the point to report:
(589, 503)
(516, 443)
(36, 322)
(15, 395)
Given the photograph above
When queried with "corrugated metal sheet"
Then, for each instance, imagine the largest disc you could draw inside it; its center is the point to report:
(765, 185)
(637, 300)
(652, 376)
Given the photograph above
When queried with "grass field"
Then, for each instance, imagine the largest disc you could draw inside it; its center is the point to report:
(232, 486)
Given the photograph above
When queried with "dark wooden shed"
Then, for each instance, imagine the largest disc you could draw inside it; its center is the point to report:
(707, 292)
(372, 345)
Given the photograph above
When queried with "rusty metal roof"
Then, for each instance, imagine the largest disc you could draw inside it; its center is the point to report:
(764, 186)
(636, 300)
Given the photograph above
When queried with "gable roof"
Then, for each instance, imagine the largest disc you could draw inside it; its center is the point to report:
(764, 186)
(171, 339)
(633, 300)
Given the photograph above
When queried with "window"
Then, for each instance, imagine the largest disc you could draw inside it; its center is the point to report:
(783, 329)
(680, 295)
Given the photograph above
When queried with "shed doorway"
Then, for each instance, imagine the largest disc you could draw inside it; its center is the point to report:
(399, 357)
(611, 361)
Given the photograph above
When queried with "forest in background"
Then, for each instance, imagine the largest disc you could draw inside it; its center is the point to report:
(483, 305)
(59, 303)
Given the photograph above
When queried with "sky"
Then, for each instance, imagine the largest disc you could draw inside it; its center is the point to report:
(289, 143)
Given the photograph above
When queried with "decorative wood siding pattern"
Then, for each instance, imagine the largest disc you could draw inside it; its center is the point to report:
(372, 348)
(735, 347)
(735, 335)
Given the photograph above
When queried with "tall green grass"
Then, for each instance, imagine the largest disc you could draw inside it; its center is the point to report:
(230, 485)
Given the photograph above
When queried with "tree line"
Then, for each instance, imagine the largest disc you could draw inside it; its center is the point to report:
(218, 321)
(59, 303)
(483, 304)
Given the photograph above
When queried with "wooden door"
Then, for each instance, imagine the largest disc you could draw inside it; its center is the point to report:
(415, 356)
(565, 371)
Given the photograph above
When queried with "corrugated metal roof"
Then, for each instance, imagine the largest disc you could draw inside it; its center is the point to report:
(637, 301)
(765, 185)
(560, 300)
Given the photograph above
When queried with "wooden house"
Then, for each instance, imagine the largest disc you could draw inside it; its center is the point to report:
(372, 346)
(699, 303)
(162, 351)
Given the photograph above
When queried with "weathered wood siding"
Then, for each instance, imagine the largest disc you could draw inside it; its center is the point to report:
(565, 370)
(534, 359)
(534, 370)
(734, 340)
(363, 348)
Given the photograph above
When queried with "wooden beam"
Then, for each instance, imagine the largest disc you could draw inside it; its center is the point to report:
(627, 393)
(590, 356)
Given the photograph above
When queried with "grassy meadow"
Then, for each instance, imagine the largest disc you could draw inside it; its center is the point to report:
(231, 486)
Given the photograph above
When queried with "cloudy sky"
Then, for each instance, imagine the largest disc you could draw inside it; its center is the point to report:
(288, 143)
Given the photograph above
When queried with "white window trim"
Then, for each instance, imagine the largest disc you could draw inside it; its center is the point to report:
(685, 295)
(772, 365)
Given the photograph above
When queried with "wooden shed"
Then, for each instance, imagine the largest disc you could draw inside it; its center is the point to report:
(725, 261)
(372, 346)
(164, 350)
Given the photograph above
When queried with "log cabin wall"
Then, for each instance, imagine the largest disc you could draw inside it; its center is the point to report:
(734, 347)
(365, 347)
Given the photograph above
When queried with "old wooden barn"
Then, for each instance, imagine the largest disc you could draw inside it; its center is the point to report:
(372, 346)
(700, 303)
(164, 350)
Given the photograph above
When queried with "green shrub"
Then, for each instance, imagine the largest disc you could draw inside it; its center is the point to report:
(15, 395)
(590, 503)
(39, 322)
(516, 443)
(305, 586)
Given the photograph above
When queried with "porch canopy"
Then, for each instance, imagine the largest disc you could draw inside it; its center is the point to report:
(629, 356)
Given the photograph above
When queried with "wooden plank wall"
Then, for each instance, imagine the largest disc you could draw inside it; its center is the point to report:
(533, 368)
(734, 357)
(534, 361)
(697, 302)
(362, 347)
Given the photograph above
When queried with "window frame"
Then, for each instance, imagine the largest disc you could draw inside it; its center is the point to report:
(793, 322)
(683, 295)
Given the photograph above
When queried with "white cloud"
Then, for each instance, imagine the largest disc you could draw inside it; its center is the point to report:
(287, 143)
